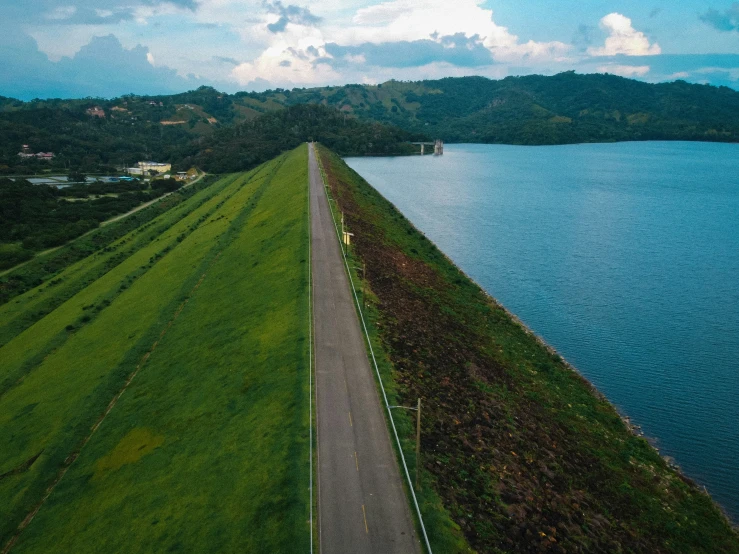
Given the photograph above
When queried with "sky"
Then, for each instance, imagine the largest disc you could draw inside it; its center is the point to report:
(106, 48)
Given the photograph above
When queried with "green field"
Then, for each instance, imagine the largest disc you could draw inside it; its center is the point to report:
(202, 320)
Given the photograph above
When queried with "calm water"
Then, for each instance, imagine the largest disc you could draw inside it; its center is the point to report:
(624, 257)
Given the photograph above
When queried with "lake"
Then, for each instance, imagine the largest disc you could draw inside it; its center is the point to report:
(624, 257)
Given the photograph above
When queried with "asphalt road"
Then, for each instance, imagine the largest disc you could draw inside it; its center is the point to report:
(362, 507)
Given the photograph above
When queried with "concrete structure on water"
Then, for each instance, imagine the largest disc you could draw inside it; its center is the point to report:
(438, 145)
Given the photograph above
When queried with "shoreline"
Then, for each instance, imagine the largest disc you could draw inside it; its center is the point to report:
(633, 428)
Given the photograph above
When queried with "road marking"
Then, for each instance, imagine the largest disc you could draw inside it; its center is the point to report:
(364, 514)
(353, 290)
(350, 420)
(356, 460)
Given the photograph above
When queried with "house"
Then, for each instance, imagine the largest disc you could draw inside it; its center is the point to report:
(97, 111)
(145, 167)
(48, 156)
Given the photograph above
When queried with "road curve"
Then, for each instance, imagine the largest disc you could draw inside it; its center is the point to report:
(362, 506)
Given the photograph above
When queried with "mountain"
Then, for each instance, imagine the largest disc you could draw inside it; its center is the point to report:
(218, 131)
(94, 134)
(564, 108)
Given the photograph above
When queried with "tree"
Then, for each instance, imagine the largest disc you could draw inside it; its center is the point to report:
(76, 176)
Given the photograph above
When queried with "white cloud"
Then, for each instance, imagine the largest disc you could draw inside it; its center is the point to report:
(289, 60)
(623, 39)
(624, 70)
(410, 20)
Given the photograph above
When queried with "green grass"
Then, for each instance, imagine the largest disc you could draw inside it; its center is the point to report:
(208, 447)
(24, 310)
(520, 450)
(46, 266)
(94, 298)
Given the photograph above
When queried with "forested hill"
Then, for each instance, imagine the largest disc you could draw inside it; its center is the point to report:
(94, 134)
(564, 108)
(246, 145)
(87, 137)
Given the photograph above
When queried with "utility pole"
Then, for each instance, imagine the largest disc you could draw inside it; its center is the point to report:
(417, 409)
(418, 443)
(364, 282)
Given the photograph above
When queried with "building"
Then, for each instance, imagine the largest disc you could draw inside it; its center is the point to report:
(26, 154)
(145, 167)
(97, 111)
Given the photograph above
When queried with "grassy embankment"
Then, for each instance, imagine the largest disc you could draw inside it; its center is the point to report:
(208, 448)
(64, 276)
(33, 273)
(524, 454)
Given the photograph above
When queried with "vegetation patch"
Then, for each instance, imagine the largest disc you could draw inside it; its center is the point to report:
(208, 447)
(524, 454)
(45, 267)
(131, 448)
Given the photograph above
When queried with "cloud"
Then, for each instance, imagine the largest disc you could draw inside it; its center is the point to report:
(103, 67)
(415, 20)
(86, 15)
(624, 70)
(289, 14)
(455, 49)
(103, 12)
(623, 39)
(406, 34)
(303, 47)
(187, 4)
(716, 69)
(726, 21)
(226, 60)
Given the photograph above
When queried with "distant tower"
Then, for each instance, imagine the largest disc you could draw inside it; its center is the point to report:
(438, 147)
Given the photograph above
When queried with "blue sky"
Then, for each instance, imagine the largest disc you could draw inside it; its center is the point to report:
(70, 48)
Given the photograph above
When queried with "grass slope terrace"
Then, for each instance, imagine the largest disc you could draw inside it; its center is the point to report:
(205, 328)
(523, 453)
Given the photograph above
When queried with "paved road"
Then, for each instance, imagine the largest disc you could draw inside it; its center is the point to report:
(361, 502)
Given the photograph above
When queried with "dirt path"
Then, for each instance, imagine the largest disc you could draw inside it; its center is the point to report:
(149, 203)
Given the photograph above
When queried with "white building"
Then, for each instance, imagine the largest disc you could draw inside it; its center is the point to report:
(145, 167)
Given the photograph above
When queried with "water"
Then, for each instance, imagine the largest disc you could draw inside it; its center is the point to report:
(624, 257)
